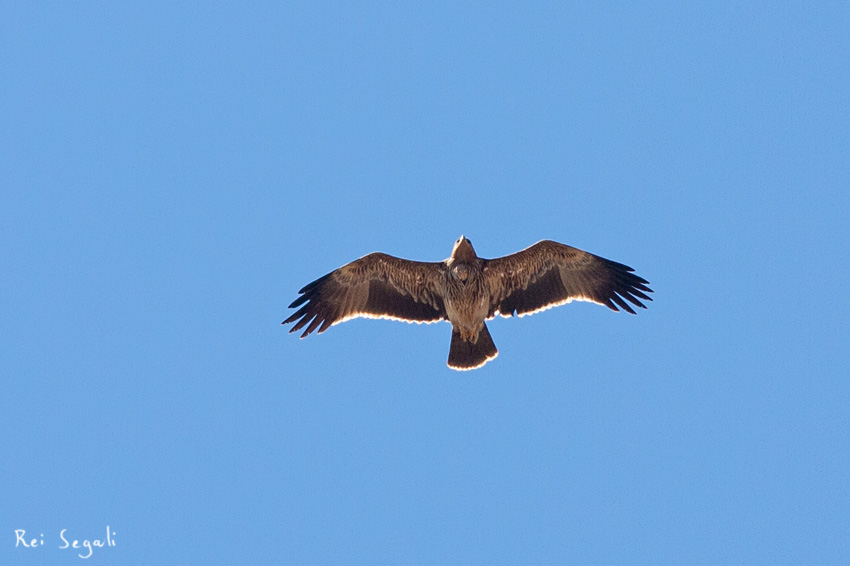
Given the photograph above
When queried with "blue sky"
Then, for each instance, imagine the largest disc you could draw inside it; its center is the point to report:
(172, 175)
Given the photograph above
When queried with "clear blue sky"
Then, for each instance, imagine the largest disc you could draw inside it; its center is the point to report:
(172, 175)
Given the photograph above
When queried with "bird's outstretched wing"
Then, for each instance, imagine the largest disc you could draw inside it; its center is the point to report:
(549, 274)
(375, 286)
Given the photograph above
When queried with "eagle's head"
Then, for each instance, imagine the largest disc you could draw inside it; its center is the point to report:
(463, 250)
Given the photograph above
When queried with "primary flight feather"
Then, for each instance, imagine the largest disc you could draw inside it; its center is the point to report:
(466, 290)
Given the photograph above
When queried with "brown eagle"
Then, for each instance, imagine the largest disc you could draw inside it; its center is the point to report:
(466, 290)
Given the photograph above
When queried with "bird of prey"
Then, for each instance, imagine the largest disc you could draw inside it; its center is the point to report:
(466, 290)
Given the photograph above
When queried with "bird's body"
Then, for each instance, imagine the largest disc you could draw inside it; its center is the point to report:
(466, 291)
(467, 297)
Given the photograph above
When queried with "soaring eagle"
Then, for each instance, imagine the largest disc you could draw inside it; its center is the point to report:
(466, 290)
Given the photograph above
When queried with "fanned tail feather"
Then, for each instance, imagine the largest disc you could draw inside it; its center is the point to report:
(464, 355)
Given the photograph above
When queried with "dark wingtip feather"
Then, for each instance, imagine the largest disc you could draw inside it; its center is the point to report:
(638, 293)
(297, 314)
(629, 296)
(314, 284)
(632, 287)
(307, 302)
(622, 304)
(316, 322)
(301, 323)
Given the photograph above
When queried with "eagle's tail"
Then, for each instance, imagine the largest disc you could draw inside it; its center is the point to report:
(465, 355)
